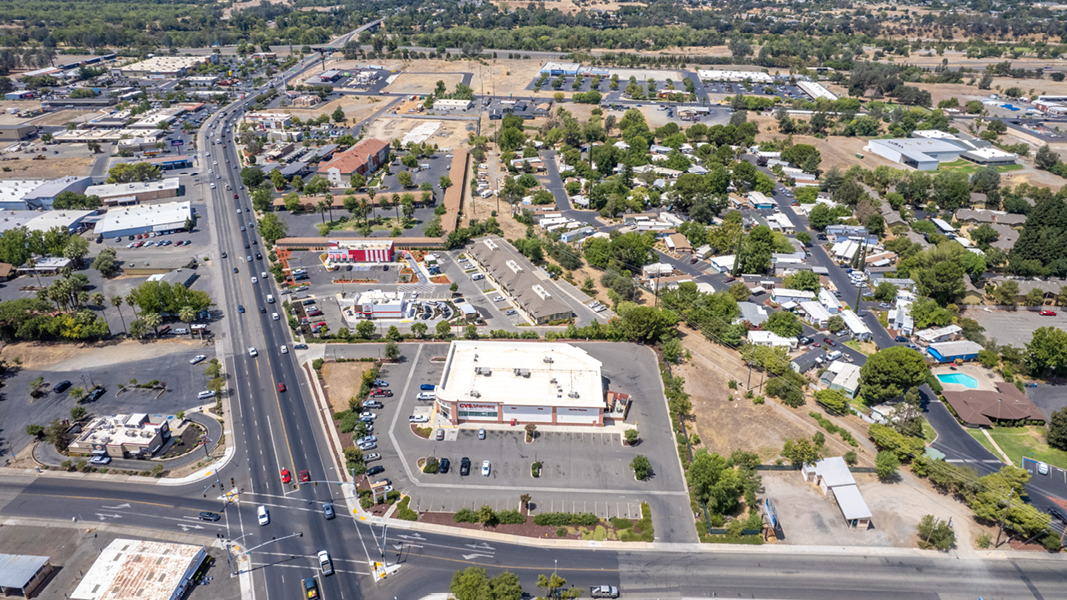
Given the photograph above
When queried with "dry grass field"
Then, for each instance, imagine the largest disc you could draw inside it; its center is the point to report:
(569, 7)
(389, 128)
(356, 108)
(49, 168)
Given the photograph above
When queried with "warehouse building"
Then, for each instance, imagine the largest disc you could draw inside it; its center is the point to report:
(816, 90)
(22, 574)
(141, 569)
(359, 251)
(17, 133)
(926, 149)
(521, 382)
(450, 104)
(113, 194)
(164, 67)
(565, 69)
(131, 220)
(37, 194)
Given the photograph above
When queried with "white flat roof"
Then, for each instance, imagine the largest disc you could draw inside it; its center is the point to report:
(144, 215)
(57, 218)
(816, 90)
(14, 190)
(815, 310)
(139, 569)
(114, 190)
(552, 375)
(720, 75)
(854, 322)
(851, 502)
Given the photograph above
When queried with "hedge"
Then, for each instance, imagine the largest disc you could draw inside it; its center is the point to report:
(510, 517)
(560, 519)
(404, 512)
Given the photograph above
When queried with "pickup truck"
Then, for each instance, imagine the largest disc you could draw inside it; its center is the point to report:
(604, 591)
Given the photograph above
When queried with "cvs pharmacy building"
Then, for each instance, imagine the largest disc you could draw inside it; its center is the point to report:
(519, 383)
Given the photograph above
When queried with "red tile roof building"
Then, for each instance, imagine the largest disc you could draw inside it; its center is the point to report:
(365, 157)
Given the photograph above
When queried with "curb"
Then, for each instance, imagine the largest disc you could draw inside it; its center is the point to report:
(203, 473)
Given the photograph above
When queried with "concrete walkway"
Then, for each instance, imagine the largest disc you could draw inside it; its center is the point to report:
(996, 447)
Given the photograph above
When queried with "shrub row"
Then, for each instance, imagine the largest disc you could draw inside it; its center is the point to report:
(404, 512)
(560, 519)
(830, 427)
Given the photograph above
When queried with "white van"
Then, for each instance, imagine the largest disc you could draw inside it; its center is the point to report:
(832, 356)
(270, 299)
(206, 394)
(426, 396)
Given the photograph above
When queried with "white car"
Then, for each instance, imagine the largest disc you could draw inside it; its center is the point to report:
(485, 468)
(238, 211)
(197, 358)
(274, 316)
(252, 351)
(255, 280)
(418, 419)
(368, 415)
(285, 349)
(1042, 468)
(262, 515)
(102, 459)
(498, 299)
(324, 563)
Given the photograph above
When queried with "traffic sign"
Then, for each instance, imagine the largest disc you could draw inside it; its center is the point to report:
(177, 142)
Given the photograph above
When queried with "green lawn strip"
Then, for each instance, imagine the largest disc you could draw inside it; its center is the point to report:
(929, 434)
(984, 441)
(1019, 442)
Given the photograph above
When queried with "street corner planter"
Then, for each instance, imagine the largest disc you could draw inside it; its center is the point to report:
(535, 469)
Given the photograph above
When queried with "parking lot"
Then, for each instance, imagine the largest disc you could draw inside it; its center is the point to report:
(584, 469)
(782, 90)
(1014, 328)
(108, 365)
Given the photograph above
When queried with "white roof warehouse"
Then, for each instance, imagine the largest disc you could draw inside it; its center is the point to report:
(528, 382)
(131, 220)
(140, 569)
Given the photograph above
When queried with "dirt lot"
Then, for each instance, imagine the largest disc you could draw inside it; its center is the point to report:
(497, 77)
(423, 83)
(568, 6)
(342, 381)
(64, 116)
(48, 168)
(32, 355)
(356, 108)
(808, 517)
(835, 151)
(387, 128)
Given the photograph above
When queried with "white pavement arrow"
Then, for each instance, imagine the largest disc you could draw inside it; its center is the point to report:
(188, 527)
(470, 556)
(412, 537)
(481, 546)
(119, 507)
(104, 516)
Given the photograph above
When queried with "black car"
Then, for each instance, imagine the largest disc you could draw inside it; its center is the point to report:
(375, 470)
(209, 516)
(900, 339)
(61, 387)
(262, 310)
(241, 308)
(259, 256)
(235, 270)
(95, 394)
(1055, 512)
(464, 466)
(444, 465)
(223, 255)
(246, 245)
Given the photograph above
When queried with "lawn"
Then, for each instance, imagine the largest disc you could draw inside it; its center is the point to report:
(929, 434)
(865, 348)
(1018, 442)
(967, 167)
(983, 440)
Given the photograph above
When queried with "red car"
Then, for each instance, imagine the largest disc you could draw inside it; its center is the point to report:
(829, 342)
(305, 477)
(235, 196)
(286, 478)
(281, 387)
(1048, 313)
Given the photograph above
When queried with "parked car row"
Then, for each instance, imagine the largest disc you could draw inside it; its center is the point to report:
(159, 243)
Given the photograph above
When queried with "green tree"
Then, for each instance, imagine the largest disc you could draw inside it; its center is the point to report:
(951, 190)
(1057, 431)
(714, 482)
(935, 534)
(272, 228)
(404, 178)
(277, 179)
(106, 262)
(445, 182)
(641, 467)
(784, 323)
(443, 329)
(365, 329)
(1047, 350)
(392, 350)
(338, 115)
(835, 323)
(890, 372)
(803, 280)
(800, 452)
(56, 434)
(77, 413)
(471, 583)
(885, 465)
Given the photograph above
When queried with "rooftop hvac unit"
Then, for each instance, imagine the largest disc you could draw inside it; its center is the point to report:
(553, 380)
(487, 372)
(572, 395)
(476, 394)
(549, 360)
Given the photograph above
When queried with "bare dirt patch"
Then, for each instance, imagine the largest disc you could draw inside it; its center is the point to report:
(48, 168)
(455, 132)
(342, 381)
(356, 108)
(64, 116)
(423, 83)
(33, 355)
(494, 76)
(836, 151)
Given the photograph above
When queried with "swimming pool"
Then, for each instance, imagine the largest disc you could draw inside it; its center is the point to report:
(959, 379)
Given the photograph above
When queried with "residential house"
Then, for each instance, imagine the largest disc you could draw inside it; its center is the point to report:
(951, 351)
(859, 329)
(807, 361)
(829, 301)
(815, 314)
(783, 295)
(841, 375)
(934, 335)
(769, 338)
(753, 313)
(679, 244)
(1005, 405)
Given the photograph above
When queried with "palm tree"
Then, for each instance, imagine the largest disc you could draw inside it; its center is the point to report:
(370, 193)
(31, 263)
(320, 208)
(153, 320)
(363, 209)
(116, 301)
(396, 207)
(328, 199)
(187, 314)
(98, 299)
(130, 302)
